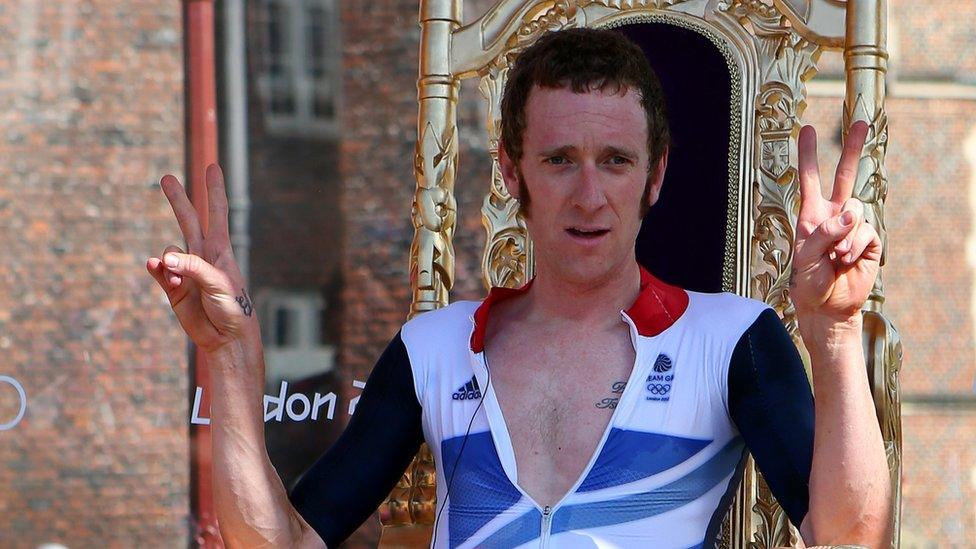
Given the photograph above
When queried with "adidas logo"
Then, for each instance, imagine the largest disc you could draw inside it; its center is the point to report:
(468, 391)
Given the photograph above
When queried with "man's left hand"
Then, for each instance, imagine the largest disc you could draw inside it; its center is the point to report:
(837, 253)
(835, 263)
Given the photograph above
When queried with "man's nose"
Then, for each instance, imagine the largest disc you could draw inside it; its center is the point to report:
(588, 193)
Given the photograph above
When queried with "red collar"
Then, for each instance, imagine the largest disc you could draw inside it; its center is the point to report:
(657, 307)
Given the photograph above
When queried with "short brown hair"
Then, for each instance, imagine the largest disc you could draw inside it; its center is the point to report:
(583, 59)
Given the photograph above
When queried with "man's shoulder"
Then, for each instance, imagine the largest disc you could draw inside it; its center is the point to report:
(724, 310)
(451, 321)
(726, 302)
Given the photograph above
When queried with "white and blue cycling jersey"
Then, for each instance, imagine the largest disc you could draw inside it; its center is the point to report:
(715, 375)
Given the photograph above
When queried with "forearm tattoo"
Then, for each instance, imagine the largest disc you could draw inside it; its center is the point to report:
(245, 302)
(611, 402)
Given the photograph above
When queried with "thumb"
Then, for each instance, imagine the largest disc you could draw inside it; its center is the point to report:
(832, 230)
(208, 278)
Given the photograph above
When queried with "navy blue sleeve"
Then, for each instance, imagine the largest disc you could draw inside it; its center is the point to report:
(347, 483)
(771, 403)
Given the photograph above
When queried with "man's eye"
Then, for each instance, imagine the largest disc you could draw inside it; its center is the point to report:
(556, 160)
(619, 160)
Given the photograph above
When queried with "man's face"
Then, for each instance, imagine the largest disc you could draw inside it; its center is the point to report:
(585, 161)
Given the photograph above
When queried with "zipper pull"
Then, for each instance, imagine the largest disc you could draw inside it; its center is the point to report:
(546, 527)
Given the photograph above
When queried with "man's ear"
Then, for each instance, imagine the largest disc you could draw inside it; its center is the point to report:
(655, 179)
(509, 171)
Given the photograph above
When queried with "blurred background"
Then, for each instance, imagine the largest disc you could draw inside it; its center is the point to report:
(316, 104)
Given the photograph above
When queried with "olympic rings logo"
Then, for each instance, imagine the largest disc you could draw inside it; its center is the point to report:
(23, 402)
(659, 388)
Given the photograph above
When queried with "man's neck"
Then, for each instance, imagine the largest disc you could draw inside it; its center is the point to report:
(555, 298)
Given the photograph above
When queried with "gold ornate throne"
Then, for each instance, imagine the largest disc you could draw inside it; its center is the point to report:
(757, 56)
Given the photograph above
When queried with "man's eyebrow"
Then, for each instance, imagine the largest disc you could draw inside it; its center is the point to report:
(558, 151)
(629, 153)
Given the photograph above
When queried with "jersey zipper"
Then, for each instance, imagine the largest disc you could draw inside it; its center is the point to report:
(547, 511)
(546, 525)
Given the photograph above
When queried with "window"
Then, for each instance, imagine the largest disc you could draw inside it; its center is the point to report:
(292, 330)
(298, 61)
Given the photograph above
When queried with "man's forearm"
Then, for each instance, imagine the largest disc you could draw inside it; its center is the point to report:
(251, 503)
(850, 492)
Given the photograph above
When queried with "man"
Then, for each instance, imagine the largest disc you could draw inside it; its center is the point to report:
(615, 409)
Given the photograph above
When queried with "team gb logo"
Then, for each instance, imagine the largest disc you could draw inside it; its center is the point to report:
(659, 382)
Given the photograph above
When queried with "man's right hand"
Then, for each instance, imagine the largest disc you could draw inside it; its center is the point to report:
(204, 284)
(206, 290)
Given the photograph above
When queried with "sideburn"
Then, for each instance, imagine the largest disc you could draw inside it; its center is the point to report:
(644, 207)
(523, 192)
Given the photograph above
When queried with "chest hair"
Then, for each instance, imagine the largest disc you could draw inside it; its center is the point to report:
(557, 399)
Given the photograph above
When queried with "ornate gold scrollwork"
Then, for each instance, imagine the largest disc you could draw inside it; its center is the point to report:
(633, 4)
(774, 530)
(773, 235)
(561, 15)
(435, 161)
(507, 259)
(753, 9)
(884, 359)
(435, 212)
(414, 498)
(875, 187)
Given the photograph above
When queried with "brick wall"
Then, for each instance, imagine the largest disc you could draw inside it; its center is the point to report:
(294, 186)
(939, 484)
(933, 40)
(91, 105)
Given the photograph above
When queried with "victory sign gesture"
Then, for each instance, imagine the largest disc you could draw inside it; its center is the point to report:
(837, 253)
(206, 290)
(204, 284)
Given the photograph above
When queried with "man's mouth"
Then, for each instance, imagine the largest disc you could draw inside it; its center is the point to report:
(587, 232)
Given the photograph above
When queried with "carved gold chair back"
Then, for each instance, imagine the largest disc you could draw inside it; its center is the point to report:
(771, 49)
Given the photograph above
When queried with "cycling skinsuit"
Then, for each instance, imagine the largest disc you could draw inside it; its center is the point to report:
(715, 375)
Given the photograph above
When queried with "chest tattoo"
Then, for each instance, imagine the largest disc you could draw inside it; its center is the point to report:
(611, 402)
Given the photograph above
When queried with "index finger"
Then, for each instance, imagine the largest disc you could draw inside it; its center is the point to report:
(809, 171)
(186, 215)
(217, 199)
(847, 167)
